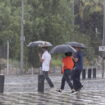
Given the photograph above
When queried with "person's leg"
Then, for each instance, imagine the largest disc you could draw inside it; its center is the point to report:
(45, 73)
(76, 79)
(67, 74)
(79, 85)
(63, 83)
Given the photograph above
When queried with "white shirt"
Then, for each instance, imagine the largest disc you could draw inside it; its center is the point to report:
(46, 61)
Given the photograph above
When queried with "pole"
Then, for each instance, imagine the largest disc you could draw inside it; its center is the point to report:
(103, 42)
(73, 13)
(22, 37)
(7, 57)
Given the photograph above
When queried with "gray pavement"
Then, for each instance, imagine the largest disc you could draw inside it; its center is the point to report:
(82, 98)
(22, 90)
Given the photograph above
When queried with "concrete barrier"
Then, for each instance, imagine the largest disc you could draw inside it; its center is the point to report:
(84, 74)
(41, 83)
(94, 72)
(2, 83)
(89, 73)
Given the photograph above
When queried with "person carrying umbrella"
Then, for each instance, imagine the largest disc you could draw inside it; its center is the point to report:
(45, 59)
(78, 58)
(67, 64)
(67, 67)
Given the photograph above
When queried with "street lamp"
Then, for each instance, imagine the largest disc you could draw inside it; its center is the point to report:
(22, 38)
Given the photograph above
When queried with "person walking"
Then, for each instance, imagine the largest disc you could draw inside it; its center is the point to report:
(45, 59)
(78, 58)
(67, 67)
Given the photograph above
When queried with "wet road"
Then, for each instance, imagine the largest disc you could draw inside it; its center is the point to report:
(53, 98)
(22, 90)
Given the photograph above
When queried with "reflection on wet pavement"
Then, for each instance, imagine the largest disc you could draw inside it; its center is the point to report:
(53, 98)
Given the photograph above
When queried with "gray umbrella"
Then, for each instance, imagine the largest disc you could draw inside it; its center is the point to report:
(39, 44)
(63, 48)
(76, 44)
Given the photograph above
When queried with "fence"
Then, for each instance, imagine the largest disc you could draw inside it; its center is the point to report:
(8, 62)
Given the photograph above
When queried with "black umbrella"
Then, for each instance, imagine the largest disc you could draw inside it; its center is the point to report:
(76, 44)
(39, 44)
(63, 48)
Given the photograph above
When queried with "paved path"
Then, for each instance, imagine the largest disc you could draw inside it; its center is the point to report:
(82, 98)
(22, 90)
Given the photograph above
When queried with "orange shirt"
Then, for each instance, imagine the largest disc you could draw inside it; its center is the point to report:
(67, 63)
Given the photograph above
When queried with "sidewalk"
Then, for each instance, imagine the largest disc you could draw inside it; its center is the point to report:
(83, 98)
(22, 90)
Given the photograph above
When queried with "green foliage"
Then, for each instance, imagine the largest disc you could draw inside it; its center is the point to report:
(50, 20)
(56, 62)
(90, 21)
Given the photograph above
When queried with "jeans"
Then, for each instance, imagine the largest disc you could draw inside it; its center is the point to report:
(66, 77)
(76, 79)
(46, 76)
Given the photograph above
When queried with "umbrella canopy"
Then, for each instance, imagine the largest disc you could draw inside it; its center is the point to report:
(76, 44)
(39, 44)
(63, 48)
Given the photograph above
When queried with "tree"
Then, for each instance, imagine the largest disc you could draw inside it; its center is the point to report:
(90, 20)
(50, 20)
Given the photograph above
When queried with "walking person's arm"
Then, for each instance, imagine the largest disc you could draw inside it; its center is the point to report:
(62, 67)
(75, 59)
(40, 57)
(50, 67)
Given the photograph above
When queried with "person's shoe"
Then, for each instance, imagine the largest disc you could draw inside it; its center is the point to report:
(79, 88)
(59, 90)
(73, 91)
